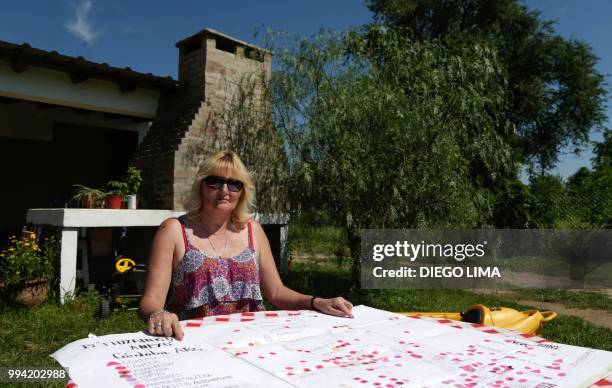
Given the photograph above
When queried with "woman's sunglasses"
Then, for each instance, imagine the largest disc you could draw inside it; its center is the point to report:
(216, 183)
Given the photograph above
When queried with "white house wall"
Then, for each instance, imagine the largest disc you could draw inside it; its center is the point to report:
(24, 120)
(54, 87)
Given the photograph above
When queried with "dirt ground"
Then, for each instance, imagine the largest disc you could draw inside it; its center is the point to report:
(597, 317)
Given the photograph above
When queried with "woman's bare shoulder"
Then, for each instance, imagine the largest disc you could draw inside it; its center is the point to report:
(169, 226)
(258, 231)
(256, 226)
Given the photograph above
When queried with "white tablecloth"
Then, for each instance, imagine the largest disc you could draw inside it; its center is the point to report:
(303, 348)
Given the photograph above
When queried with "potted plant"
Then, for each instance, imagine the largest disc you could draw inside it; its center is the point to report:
(127, 188)
(116, 191)
(26, 268)
(133, 179)
(88, 197)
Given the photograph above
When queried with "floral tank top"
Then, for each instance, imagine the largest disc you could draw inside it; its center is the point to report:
(204, 285)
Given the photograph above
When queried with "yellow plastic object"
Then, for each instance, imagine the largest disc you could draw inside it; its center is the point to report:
(527, 322)
(124, 264)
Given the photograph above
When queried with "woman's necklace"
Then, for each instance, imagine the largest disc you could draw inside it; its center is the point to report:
(224, 247)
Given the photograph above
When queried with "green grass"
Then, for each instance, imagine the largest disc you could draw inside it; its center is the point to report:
(325, 240)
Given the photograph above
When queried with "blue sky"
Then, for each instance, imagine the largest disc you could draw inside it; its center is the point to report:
(141, 34)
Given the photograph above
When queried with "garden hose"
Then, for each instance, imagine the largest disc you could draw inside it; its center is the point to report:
(527, 322)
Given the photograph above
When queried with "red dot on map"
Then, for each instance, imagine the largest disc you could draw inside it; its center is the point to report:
(139, 386)
(306, 370)
(561, 374)
(120, 367)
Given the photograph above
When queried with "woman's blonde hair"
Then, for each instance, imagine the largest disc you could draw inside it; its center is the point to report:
(219, 164)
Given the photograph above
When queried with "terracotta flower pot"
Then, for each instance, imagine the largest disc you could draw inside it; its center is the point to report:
(114, 202)
(30, 293)
(90, 202)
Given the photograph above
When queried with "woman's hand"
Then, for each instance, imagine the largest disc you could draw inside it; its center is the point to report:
(338, 306)
(166, 324)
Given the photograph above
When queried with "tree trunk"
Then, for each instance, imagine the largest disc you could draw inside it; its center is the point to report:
(354, 240)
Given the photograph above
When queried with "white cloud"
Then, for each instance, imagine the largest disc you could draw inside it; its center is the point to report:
(80, 26)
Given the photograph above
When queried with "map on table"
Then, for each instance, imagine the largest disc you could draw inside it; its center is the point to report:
(303, 348)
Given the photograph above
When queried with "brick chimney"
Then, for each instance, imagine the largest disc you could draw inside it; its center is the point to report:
(209, 63)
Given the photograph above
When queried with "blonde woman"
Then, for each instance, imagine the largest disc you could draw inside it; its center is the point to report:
(216, 259)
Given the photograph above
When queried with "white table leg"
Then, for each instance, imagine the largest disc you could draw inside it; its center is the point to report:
(68, 262)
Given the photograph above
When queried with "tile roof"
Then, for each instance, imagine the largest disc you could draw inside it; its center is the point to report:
(80, 68)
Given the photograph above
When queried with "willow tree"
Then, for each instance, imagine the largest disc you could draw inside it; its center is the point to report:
(557, 95)
(384, 132)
